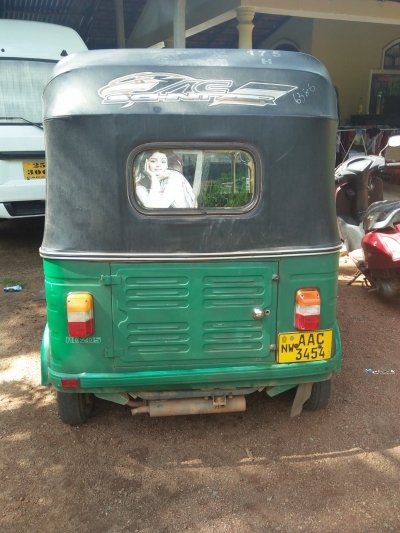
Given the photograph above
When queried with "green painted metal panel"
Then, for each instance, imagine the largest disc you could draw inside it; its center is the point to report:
(319, 271)
(170, 326)
(194, 314)
(70, 355)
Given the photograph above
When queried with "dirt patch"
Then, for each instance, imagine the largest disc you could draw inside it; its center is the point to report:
(333, 470)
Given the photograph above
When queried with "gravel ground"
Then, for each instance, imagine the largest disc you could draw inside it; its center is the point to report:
(334, 470)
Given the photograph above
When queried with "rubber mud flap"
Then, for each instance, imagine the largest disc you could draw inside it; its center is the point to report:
(302, 394)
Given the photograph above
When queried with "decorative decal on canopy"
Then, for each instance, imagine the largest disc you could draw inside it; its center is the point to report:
(151, 87)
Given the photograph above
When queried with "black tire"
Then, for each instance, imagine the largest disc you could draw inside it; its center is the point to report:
(320, 394)
(74, 408)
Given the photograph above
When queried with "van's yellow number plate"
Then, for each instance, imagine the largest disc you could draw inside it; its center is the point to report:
(299, 347)
(34, 170)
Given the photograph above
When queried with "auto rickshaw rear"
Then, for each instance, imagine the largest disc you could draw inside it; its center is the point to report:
(191, 246)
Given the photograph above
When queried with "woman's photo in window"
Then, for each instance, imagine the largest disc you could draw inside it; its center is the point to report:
(159, 182)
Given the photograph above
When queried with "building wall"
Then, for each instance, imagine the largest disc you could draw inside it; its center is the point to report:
(349, 50)
(297, 30)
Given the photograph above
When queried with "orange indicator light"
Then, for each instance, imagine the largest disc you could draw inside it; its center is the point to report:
(80, 314)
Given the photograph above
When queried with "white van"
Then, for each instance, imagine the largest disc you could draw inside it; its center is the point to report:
(28, 52)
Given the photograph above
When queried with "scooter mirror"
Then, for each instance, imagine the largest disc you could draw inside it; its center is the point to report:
(394, 141)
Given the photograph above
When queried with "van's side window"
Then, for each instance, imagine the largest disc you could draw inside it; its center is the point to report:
(212, 179)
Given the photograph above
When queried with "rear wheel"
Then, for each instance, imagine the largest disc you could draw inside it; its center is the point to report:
(320, 394)
(74, 408)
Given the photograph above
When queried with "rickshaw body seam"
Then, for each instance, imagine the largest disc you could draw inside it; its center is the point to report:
(90, 256)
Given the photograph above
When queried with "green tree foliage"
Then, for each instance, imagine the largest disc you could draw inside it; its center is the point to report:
(220, 192)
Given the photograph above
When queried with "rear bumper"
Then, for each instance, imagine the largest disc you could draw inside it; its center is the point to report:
(255, 376)
(22, 198)
(22, 209)
(243, 376)
(263, 375)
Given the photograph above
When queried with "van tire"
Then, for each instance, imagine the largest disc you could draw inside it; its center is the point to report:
(74, 408)
(320, 394)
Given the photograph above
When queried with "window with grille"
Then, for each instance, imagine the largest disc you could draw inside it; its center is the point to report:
(391, 59)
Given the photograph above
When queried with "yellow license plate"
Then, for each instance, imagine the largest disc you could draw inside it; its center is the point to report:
(304, 346)
(34, 170)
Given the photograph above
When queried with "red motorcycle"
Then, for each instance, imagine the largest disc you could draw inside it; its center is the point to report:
(369, 225)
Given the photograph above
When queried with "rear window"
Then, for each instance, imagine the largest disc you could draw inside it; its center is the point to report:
(193, 179)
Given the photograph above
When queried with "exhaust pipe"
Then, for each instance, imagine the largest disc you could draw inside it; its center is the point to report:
(192, 406)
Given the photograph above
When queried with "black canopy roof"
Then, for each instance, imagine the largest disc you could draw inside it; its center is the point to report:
(100, 106)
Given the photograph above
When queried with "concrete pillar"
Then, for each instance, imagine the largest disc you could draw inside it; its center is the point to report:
(179, 23)
(245, 15)
(119, 18)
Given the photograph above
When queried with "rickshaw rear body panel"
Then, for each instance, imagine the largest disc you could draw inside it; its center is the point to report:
(176, 292)
(204, 346)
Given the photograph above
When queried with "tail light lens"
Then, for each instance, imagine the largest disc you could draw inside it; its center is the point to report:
(308, 309)
(393, 245)
(70, 383)
(80, 314)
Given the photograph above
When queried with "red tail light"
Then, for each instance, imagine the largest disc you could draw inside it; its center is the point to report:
(80, 314)
(70, 383)
(308, 309)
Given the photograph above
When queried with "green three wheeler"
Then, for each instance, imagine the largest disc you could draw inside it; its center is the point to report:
(191, 246)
